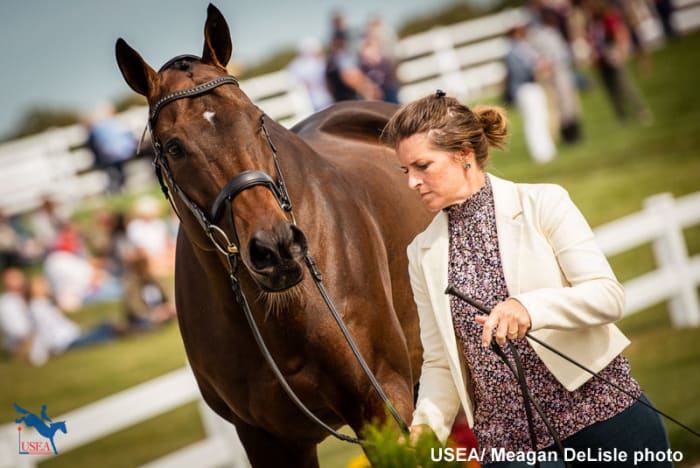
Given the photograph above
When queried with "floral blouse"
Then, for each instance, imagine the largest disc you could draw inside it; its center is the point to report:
(499, 414)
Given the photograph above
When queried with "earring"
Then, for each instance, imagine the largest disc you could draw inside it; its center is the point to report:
(468, 165)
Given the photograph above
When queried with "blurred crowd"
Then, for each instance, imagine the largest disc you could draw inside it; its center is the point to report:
(52, 266)
(350, 65)
(545, 55)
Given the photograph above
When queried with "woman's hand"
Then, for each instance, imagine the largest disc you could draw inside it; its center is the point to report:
(416, 432)
(509, 319)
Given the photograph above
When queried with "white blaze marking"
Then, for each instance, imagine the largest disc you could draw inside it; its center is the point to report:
(209, 116)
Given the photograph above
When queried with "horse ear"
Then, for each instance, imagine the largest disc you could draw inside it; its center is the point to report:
(217, 38)
(137, 73)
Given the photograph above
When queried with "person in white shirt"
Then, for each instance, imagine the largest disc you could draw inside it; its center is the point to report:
(55, 332)
(149, 232)
(15, 322)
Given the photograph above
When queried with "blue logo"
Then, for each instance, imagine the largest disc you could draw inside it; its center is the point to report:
(39, 423)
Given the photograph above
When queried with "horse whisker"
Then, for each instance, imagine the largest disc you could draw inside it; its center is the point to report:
(277, 301)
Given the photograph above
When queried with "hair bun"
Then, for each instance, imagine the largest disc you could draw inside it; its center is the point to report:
(493, 123)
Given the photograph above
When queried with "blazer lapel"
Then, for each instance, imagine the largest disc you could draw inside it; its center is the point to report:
(509, 224)
(435, 260)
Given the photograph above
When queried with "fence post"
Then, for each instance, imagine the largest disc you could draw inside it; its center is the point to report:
(671, 255)
(447, 60)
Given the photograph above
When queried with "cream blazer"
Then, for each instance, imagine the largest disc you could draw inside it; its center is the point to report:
(551, 264)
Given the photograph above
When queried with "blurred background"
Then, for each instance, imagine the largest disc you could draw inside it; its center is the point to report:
(601, 97)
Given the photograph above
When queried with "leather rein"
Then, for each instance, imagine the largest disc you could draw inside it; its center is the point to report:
(230, 248)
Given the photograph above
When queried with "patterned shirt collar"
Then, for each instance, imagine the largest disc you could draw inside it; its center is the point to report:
(473, 204)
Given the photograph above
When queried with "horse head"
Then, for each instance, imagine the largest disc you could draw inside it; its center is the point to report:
(206, 139)
(59, 426)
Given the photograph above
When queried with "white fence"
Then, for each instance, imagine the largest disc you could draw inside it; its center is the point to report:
(465, 59)
(675, 280)
(56, 163)
(130, 407)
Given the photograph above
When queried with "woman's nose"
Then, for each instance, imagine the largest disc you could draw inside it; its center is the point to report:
(413, 181)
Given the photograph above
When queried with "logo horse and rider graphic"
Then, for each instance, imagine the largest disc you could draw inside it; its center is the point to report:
(39, 423)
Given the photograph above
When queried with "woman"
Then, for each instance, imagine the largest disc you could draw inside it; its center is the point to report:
(526, 252)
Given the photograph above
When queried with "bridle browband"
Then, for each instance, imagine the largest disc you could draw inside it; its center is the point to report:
(231, 247)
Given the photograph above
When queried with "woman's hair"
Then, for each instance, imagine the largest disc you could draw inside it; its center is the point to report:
(450, 126)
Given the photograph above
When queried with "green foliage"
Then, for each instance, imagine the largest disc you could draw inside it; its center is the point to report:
(386, 447)
(458, 11)
(38, 119)
(128, 101)
(454, 13)
(276, 62)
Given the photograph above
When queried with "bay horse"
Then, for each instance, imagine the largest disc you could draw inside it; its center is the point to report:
(352, 211)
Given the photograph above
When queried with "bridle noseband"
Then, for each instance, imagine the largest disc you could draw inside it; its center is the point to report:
(231, 247)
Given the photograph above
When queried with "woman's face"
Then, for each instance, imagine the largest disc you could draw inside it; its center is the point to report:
(438, 176)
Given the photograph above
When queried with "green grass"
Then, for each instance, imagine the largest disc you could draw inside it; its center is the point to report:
(608, 175)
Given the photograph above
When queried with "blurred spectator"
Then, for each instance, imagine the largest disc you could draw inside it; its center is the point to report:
(611, 44)
(15, 322)
(46, 222)
(524, 66)
(9, 244)
(111, 144)
(145, 301)
(383, 35)
(343, 75)
(110, 242)
(17, 247)
(635, 14)
(56, 333)
(665, 10)
(379, 68)
(149, 232)
(309, 69)
(547, 40)
(339, 26)
(73, 277)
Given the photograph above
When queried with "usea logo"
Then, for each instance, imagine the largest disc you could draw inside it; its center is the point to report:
(44, 426)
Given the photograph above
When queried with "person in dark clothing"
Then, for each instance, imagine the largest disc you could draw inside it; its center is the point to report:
(343, 75)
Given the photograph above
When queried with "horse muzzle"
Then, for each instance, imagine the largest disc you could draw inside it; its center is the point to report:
(276, 256)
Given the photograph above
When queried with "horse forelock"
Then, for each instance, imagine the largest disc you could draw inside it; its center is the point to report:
(181, 62)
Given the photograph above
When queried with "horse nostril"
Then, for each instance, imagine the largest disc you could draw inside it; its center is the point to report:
(262, 254)
(277, 247)
(298, 246)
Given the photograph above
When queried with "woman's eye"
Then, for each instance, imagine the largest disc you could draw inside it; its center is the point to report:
(422, 167)
(173, 149)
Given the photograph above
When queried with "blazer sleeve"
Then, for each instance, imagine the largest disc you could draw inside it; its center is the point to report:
(591, 295)
(438, 401)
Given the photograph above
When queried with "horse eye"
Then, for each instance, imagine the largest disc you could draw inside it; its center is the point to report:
(173, 149)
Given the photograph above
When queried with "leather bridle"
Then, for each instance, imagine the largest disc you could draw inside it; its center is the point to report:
(230, 248)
